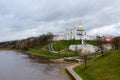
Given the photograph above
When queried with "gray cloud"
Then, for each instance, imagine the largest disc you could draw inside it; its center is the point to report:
(24, 18)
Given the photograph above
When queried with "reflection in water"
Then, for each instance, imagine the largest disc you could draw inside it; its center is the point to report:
(16, 66)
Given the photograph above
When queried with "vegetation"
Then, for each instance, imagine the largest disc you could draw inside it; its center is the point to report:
(116, 43)
(64, 44)
(106, 67)
(92, 42)
(27, 43)
(45, 52)
(39, 45)
(42, 52)
(60, 46)
(85, 56)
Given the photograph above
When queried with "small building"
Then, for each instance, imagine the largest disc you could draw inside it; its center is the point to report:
(105, 38)
(107, 46)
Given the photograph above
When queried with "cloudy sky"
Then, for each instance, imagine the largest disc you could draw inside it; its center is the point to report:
(25, 18)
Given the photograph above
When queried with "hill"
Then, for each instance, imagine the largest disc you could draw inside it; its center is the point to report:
(60, 46)
(39, 46)
(106, 67)
(64, 44)
(44, 51)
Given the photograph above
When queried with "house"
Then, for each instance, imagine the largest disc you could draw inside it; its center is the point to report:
(105, 38)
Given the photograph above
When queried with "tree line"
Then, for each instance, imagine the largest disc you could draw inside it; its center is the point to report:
(27, 43)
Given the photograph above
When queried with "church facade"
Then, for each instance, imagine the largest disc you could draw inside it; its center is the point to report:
(75, 33)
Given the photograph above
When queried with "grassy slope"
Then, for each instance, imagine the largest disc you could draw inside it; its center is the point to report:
(64, 44)
(41, 51)
(92, 42)
(101, 69)
(58, 45)
(45, 52)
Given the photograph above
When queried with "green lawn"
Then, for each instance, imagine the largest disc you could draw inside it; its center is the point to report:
(103, 68)
(92, 42)
(58, 46)
(42, 52)
(64, 44)
(45, 52)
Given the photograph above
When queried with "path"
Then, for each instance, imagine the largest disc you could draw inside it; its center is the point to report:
(70, 70)
(51, 48)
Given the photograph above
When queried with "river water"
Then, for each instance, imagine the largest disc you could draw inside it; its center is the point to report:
(17, 66)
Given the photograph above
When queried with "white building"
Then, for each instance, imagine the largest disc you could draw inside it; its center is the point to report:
(72, 34)
(58, 37)
(86, 47)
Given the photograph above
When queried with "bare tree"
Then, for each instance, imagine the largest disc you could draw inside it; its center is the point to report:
(116, 43)
(101, 49)
(84, 54)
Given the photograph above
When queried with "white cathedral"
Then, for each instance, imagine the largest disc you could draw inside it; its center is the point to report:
(75, 33)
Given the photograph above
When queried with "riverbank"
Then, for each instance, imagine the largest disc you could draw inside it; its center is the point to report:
(52, 59)
(61, 47)
(46, 58)
(46, 54)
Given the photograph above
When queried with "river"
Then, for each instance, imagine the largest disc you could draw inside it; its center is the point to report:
(17, 66)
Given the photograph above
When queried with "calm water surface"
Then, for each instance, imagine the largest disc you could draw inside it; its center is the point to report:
(16, 66)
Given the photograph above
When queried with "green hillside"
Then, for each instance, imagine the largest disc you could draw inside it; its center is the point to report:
(60, 46)
(64, 44)
(103, 68)
(44, 51)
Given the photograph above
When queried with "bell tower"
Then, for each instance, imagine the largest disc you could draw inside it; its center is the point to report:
(81, 32)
